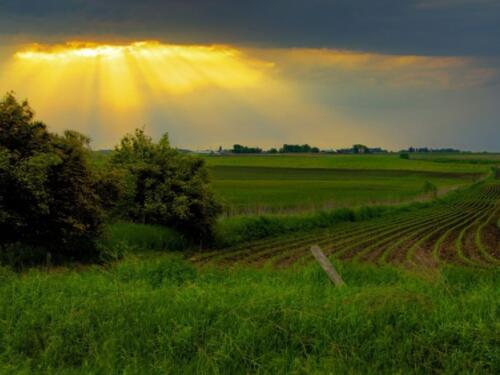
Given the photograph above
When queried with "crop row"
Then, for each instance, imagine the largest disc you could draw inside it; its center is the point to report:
(462, 229)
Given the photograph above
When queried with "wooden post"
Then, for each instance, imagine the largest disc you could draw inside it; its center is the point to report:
(327, 265)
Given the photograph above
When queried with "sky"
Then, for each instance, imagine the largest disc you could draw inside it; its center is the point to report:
(388, 73)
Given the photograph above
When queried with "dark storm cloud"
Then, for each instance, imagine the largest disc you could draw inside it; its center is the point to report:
(430, 27)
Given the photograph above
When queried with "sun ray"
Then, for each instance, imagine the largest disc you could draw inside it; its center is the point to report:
(116, 84)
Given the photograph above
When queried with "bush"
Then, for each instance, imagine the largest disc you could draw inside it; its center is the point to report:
(405, 156)
(165, 187)
(430, 189)
(48, 195)
(496, 172)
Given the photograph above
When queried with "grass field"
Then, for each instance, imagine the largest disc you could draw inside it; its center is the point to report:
(263, 184)
(163, 316)
(289, 183)
(362, 162)
(454, 158)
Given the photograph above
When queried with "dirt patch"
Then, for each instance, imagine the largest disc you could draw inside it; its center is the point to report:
(490, 237)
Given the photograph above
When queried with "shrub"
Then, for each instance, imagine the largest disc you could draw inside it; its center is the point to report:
(165, 187)
(430, 189)
(404, 155)
(48, 195)
(496, 172)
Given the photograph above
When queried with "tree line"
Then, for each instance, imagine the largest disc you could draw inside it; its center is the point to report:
(55, 201)
(355, 149)
(303, 149)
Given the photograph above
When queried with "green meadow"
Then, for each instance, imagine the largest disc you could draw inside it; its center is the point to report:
(467, 158)
(359, 162)
(286, 183)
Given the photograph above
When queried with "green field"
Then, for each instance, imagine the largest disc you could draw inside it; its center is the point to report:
(163, 316)
(363, 162)
(261, 184)
(461, 229)
(467, 158)
(285, 183)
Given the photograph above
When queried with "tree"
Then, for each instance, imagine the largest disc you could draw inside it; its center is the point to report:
(360, 149)
(239, 149)
(298, 149)
(165, 187)
(48, 195)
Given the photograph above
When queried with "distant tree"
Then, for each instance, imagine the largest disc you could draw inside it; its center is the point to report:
(360, 149)
(48, 194)
(165, 187)
(298, 149)
(272, 151)
(239, 149)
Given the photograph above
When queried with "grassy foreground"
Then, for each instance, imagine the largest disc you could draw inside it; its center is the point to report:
(160, 315)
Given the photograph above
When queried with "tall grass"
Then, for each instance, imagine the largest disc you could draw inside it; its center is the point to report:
(142, 237)
(162, 316)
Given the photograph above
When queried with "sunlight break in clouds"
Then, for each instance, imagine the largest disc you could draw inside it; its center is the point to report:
(108, 89)
(172, 68)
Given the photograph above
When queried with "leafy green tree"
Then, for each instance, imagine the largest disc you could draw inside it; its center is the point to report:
(165, 187)
(48, 195)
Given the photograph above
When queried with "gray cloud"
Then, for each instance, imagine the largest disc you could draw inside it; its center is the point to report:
(428, 27)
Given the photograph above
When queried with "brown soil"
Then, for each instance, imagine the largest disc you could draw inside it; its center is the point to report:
(490, 237)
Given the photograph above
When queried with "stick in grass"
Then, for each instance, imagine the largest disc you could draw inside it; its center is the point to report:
(327, 265)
